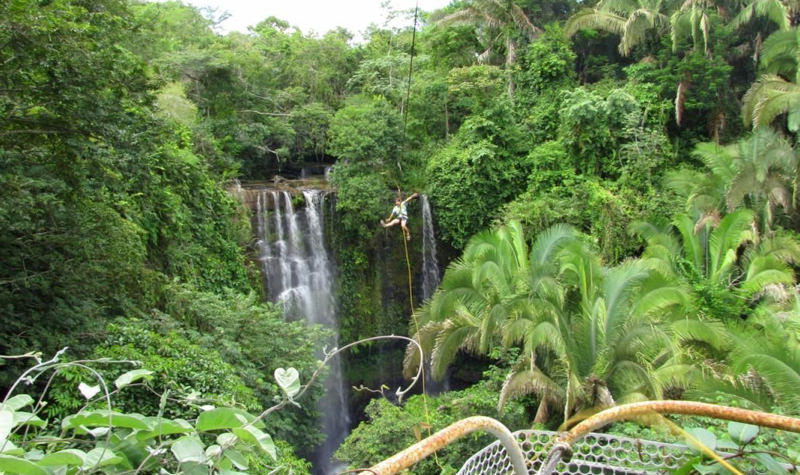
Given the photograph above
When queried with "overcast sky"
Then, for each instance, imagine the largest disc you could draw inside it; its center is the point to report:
(318, 16)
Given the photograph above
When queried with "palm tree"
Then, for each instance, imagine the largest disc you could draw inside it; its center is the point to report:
(596, 344)
(708, 257)
(632, 20)
(758, 172)
(503, 21)
(764, 364)
(774, 93)
(478, 293)
(692, 19)
(776, 11)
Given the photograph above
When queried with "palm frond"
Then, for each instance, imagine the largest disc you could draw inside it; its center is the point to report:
(449, 342)
(773, 10)
(591, 19)
(707, 388)
(769, 97)
(549, 242)
(734, 230)
(656, 301)
(712, 333)
(692, 248)
(530, 381)
(619, 284)
(779, 52)
(781, 378)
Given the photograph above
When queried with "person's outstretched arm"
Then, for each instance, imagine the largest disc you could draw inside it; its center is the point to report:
(410, 197)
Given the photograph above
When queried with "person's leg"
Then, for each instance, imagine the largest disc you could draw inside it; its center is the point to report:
(390, 223)
(405, 229)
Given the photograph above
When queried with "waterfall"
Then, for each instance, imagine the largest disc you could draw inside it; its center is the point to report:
(430, 265)
(299, 275)
(430, 281)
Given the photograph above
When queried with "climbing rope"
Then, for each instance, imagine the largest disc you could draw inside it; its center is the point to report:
(410, 68)
(421, 361)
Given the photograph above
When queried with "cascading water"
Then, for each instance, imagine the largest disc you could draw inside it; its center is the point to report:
(430, 281)
(430, 265)
(299, 276)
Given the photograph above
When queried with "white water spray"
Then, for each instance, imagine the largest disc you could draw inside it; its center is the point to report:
(299, 276)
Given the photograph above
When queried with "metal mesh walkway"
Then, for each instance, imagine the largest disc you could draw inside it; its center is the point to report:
(594, 454)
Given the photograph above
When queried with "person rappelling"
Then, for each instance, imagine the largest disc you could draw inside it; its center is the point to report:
(399, 215)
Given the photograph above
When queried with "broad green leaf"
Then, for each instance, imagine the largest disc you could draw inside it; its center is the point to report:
(27, 418)
(727, 444)
(11, 449)
(6, 424)
(213, 451)
(688, 466)
(189, 449)
(9, 464)
(288, 380)
(18, 402)
(130, 377)
(231, 472)
(220, 418)
(100, 457)
(703, 436)
(34, 455)
(262, 439)
(709, 469)
(162, 427)
(226, 438)
(770, 463)
(100, 418)
(64, 457)
(127, 445)
(194, 468)
(793, 120)
(742, 433)
(237, 459)
(88, 391)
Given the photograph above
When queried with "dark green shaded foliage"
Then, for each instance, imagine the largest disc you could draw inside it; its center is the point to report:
(390, 428)
(599, 208)
(366, 133)
(192, 374)
(546, 69)
(72, 255)
(246, 333)
(472, 90)
(310, 123)
(481, 169)
(709, 99)
(100, 196)
(362, 199)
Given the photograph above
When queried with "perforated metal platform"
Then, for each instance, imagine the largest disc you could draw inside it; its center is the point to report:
(594, 454)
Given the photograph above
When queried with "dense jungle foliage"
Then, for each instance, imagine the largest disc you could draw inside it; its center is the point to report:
(615, 182)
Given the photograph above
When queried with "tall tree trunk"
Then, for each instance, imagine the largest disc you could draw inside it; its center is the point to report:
(446, 120)
(511, 58)
(542, 413)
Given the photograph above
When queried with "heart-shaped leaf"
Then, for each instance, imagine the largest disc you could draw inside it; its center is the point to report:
(699, 437)
(742, 433)
(288, 380)
(88, 391)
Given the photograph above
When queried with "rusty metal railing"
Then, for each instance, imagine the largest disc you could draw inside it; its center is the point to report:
(425, 447)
